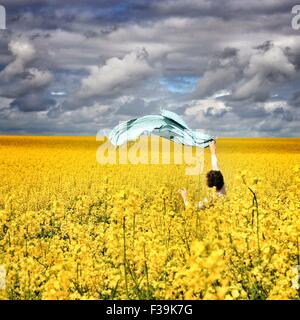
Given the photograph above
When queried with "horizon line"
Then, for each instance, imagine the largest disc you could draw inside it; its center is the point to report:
(90, 136)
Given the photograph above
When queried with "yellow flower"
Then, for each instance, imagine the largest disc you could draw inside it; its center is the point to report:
(71, 228)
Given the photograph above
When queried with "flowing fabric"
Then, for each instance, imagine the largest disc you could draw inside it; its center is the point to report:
(167, 125)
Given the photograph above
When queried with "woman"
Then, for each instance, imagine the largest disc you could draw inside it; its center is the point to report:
(214, 178)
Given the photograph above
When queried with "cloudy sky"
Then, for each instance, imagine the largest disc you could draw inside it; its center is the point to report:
(75, 67)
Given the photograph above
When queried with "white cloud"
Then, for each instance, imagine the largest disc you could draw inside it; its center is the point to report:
(91, 114)
(270, 106)
(5, 102)
(222, 93)
(24, 52)
(265, 70)
(116, 75)
(199, 109)
(58, 93)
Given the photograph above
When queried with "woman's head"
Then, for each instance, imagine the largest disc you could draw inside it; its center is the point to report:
(215, 179)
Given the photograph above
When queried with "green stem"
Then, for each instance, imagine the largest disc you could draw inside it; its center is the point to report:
(298, 259)
(124, 258)
(147, 275)
(255, 202)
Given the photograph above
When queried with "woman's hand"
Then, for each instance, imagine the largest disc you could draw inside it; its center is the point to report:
(183, 193)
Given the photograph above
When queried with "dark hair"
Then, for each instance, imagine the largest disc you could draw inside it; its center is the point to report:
(215, 179)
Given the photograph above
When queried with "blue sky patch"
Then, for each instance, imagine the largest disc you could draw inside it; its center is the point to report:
(179, 84)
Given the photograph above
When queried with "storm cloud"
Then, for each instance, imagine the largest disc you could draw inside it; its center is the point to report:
(74, 67)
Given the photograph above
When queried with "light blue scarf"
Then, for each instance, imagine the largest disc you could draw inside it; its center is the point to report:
(167, 125)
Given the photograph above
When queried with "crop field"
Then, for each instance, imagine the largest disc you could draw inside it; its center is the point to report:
(72, 228)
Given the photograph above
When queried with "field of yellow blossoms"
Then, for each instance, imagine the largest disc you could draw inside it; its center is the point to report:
(71, 228)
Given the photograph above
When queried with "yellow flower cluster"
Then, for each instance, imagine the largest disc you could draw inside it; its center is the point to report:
(71, 228)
